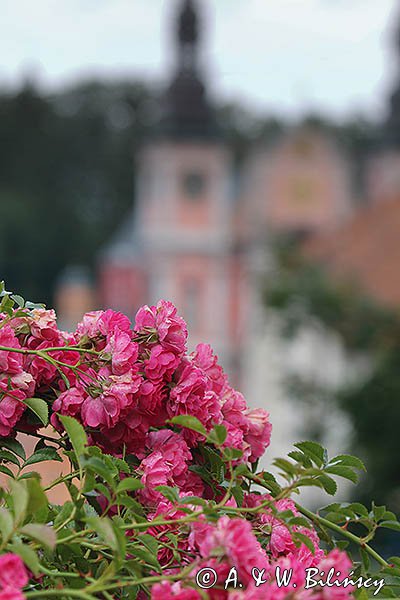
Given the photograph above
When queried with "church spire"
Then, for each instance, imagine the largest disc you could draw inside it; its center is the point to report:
(186, 112)
(187, 35)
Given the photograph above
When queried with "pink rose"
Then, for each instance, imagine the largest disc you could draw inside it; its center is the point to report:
(173, 591)
(259, 432)
(11, 408)
(99, 325)
(234, 540)
(69, 402)
(13, 574)
(163, 322)
(161, 363)
(10, 362)
(204, 358)
(11, 594)
(123, 351)
(43, 325)
(102, 410)
(191, 396)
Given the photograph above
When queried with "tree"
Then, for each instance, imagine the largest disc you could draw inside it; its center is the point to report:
(302, 292)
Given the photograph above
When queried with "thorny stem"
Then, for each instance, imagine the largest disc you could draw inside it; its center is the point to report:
(53, 349)
(316, 518)
(60, 593)
(344, 532)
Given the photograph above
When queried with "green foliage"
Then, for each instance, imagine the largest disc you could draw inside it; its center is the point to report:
(304, 293)
(79, 546)
(65, 159)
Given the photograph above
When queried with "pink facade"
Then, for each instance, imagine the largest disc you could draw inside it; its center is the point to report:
(302, 183)
(192, 238)
(122, 286)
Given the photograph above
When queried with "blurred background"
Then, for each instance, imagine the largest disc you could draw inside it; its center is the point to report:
(238, 157)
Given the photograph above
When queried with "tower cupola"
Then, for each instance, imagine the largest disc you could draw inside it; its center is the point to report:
(185, 110)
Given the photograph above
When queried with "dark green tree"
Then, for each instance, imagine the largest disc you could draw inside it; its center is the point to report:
(303, 292)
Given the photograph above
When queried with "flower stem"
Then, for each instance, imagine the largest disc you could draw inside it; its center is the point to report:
(329, 525)
(343, 532)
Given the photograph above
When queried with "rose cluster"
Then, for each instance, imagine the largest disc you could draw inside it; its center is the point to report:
(235, 543)
(124, 382)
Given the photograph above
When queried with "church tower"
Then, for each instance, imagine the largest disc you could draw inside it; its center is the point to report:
(178, 243)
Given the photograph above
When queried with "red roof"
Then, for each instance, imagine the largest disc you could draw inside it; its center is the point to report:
(367, 249)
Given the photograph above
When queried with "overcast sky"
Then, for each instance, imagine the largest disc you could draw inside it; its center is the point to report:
(282, 56)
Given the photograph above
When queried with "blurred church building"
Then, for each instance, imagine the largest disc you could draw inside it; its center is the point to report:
(200, 240)
(192, 236)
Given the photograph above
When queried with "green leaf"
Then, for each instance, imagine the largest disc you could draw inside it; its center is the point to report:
(395, 560)
(336, 517)
(121, 538)
(28, 555)
(301, 458)
(148, 557)
(40, 408)
(29, 475)
(64, 514)
(129, 484)
(304, 539)
(38, 502)
(9, 457)
(348, 460)
(195, 500)
(14, 446)
(388, 515)
(6, 524)
(365, 560)
(359, 509)
(342, 544)
(273, 485)
(99, 467)
(48, 453)
(150, 542)
(238, 494)
(285, 465)
(18, 300)
(217, 435)
(19, 497)
(242, 470)
(342, 471)
(103, 527)
(301, 521)
(33, 305)
(214, 462)
(334, 506)
(42, 534)
(313, 450)
(121, 465)
(76, 434)
(395, 525)
(378, 511)
(6, 471)
(230, 454)
(171, 493)
(189, 422)
(328, 484)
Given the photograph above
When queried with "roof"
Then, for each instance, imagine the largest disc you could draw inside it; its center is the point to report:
(123, 246)
(366, 249)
